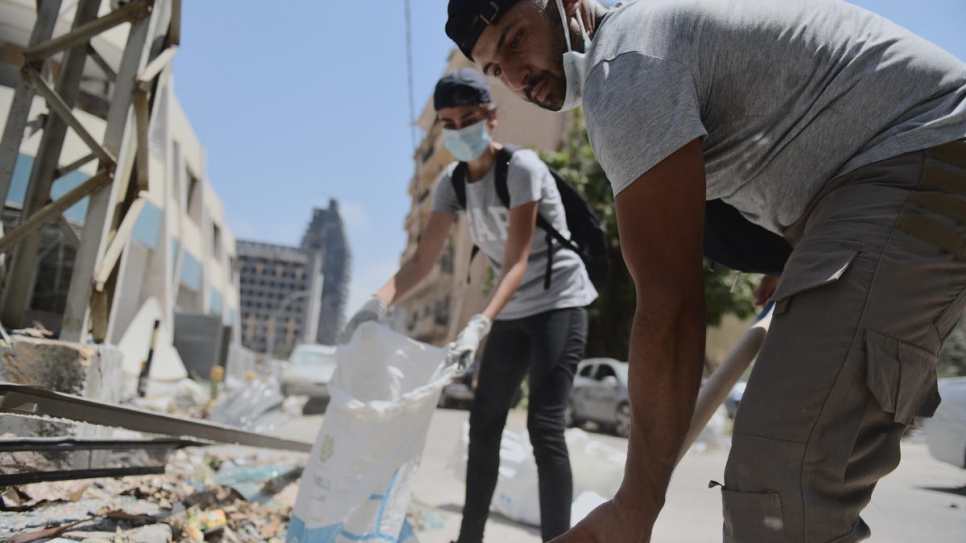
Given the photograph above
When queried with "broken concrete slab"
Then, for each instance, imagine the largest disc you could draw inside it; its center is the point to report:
(60, 366)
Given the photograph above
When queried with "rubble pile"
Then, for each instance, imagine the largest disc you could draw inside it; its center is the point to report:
(200, 497)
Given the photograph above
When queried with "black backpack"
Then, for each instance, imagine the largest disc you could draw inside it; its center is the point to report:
(587, 237)
(734, 242)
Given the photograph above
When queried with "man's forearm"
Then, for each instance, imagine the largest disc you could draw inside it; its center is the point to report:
(666, 361)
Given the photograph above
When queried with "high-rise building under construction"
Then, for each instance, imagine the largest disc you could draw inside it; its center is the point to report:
(326, 235)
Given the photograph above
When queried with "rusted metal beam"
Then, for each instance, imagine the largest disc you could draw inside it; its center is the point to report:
(175, 22)
(26, 400)
(74, 166)
(17, 479)
(70, 444)
(84, 33)
(142, 120)
(53, 209)
(65, 111)
(121, 237)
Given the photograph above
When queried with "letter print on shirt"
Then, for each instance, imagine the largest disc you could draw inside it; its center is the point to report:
(501, 217)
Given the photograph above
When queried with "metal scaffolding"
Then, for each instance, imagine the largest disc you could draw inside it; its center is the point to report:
(119, 189)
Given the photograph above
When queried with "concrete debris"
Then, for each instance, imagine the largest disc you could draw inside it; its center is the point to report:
(185, 504)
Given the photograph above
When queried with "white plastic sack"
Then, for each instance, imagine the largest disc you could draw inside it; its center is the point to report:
(360, 474)
(598, 470)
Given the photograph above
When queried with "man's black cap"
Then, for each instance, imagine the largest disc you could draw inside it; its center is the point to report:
(463, 87)
(469, 18)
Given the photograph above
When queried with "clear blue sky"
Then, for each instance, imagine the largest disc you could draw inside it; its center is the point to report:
(304, 100)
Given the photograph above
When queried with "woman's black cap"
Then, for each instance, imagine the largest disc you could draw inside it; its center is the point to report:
(463, 87)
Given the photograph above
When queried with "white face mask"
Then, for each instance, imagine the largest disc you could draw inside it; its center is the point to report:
(468, 143)
(574, 63)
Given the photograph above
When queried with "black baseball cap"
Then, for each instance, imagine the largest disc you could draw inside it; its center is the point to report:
(469, 18)
(463, 87)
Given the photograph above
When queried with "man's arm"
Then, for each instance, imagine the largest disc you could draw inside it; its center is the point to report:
(660, 218)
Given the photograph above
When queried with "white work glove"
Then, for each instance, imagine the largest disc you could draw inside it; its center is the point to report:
(462, 351)
(372, 311)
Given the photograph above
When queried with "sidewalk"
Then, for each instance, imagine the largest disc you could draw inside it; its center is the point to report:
(903, 509)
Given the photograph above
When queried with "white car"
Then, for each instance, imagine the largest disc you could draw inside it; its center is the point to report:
(600, 395)
(946, 430)
(309, 369)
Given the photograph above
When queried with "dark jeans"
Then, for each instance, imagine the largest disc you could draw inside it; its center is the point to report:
(548, 345)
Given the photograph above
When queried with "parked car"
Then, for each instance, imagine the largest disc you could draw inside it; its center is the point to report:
(946, 430)
(600, 395)
(309, 369)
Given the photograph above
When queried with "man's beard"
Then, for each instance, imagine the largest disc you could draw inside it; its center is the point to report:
(555, 76)
(554, 98)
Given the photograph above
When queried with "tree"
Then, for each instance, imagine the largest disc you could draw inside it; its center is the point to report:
(610, 317)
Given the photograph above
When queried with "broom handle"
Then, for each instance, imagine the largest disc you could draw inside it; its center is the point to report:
(720, 383)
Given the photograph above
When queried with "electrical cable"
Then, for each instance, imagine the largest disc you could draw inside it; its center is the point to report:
(409, 70)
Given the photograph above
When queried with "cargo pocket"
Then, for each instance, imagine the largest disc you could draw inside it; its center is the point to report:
(752, 517)
(902, 377)
(814, 264)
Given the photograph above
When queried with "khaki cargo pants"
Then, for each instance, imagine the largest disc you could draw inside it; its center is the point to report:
(876, 282)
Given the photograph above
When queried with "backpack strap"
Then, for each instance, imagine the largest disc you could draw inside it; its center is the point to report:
(459, 184)
(459, 187)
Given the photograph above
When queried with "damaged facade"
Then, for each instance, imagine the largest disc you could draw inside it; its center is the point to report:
(179, 257)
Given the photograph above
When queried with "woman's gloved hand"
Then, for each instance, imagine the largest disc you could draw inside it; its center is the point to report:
(462, 351)
(372, 311)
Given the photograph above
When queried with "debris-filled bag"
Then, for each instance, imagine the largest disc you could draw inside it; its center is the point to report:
(360, 474)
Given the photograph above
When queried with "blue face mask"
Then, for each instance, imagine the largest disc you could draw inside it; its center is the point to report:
(467, 143)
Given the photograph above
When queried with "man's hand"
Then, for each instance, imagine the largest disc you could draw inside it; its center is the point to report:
(372, 311)
(766, 287)
(610, 523)
(462, 351)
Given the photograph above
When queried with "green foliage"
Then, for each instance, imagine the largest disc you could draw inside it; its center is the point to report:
(612, 314)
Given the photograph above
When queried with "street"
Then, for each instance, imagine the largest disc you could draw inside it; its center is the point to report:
(918, 502)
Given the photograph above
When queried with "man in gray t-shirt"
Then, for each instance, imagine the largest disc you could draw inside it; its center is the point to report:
(818, 121)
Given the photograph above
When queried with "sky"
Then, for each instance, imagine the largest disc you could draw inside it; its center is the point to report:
(300, 101)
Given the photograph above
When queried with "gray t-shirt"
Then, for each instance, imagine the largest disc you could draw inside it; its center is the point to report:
(528, 180)
(785, 94)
